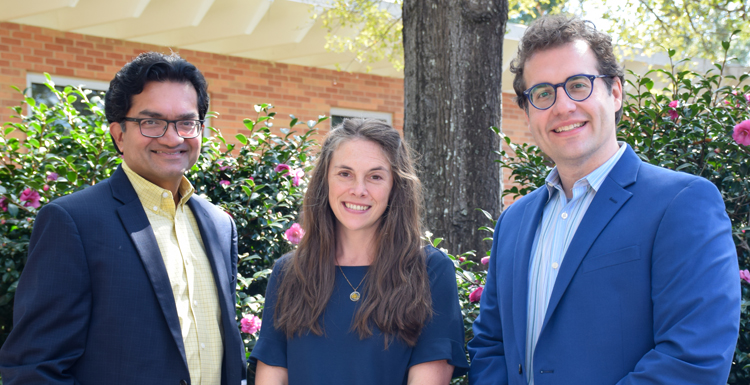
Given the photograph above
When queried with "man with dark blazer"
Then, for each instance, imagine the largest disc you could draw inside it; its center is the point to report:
(132, 281)
(615, 271)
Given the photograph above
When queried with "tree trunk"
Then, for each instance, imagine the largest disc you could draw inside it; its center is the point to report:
(452, 79)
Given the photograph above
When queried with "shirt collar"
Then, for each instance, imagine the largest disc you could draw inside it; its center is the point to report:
(593, 179)
(153, 196)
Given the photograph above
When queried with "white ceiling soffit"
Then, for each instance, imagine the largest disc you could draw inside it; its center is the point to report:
(272, 30)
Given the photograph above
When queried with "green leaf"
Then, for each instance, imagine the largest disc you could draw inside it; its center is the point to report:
(72, 177)
(436, 242)
(241, 138)
(247, 190)
(725, 45)
(12, 210)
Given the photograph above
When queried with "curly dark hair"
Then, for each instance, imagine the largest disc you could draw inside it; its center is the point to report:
(554, 31)
(151, 67)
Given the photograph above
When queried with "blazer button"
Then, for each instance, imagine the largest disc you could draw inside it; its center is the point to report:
(183, 382)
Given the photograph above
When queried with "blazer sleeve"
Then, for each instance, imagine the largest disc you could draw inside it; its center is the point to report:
(695, 293)
(486, 349)
(52, 305)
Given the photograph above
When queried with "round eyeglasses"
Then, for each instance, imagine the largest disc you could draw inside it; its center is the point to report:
(156, 128)
(578, 87)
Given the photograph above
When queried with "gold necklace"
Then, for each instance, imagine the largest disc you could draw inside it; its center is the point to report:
(354, 296)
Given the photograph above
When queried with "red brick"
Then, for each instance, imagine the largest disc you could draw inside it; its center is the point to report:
(95, 67)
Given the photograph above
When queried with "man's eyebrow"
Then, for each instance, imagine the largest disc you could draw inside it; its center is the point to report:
(154, 114)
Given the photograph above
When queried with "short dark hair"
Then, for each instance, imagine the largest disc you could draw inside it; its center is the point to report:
(151, 67)
(554, 31)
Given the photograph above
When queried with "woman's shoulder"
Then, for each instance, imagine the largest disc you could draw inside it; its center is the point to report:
(437, 259)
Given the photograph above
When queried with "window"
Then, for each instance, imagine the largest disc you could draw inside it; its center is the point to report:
(35, 84)
(42, 94)
(339, 114)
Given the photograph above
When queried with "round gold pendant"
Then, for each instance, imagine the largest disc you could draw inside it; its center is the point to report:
(354, 296)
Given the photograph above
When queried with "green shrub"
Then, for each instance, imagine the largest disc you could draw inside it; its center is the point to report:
(64, 150)
(686, 126)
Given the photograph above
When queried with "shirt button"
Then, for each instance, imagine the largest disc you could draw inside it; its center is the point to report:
(195, 302)
(564, 215)
(555, 265)
(155, 208)
(165, 194)
(203, 346)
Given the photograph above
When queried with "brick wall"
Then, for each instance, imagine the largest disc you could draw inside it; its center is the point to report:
(235, 84)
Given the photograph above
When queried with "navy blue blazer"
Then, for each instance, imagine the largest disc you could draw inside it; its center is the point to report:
(648, 291)
(94, 304)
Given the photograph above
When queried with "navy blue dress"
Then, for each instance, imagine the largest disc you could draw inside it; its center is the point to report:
(339, 356)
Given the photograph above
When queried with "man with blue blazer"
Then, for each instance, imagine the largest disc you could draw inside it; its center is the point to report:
(132, 281)
(615, 271)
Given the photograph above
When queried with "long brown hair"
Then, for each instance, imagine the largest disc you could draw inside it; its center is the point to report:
(397, 296)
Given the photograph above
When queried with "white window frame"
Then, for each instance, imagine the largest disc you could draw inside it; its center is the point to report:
(348, 112)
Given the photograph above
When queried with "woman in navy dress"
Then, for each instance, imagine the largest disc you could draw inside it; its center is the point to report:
(362, 300)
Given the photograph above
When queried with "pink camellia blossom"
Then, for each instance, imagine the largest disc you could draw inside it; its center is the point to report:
(741, 133)
(52, 176)
(282, 167)
(45, 187)
(3, 204)
(461, 259)
(485, 260)
(250, 324)
(673, 114)
(224, 182)
(476, 295)
(294, 233)
(297, 175)
(726, 102)
(747, 98)
(31, 197)
(745, 275)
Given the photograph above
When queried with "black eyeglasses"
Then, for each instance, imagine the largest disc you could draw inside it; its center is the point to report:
(578, 87)
(156, 128)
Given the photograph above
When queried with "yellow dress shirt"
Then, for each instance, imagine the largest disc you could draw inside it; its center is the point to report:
(190, 275)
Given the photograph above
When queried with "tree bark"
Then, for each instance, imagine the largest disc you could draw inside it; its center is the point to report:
(452, 80)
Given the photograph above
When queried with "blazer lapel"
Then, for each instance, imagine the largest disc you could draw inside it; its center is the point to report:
(531, 216)
(611, 196)
(136, 224)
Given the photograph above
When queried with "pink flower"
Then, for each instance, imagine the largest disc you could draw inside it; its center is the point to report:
(250, 324)
(741, 133)
(476, 294)
(31, 197)
(3, 204)
(294, 233)
(282, 166)
(747, 98)
(224, 182)
(726, 102)
(485, 260)
(745, 275)
(52, 176)
(220, 162)
(461, 259)
(297, 175)
(673, 114)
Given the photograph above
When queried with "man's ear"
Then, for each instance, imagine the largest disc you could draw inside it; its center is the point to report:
(116, 133)
(617, 93)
